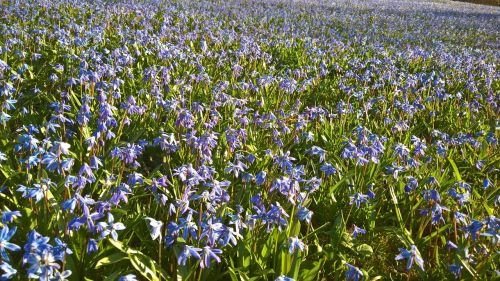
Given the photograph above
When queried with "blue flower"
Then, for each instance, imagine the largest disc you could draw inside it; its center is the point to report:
(61, 249)
(188, 252)
(87, 218)
(490, 138)
(472, 229)
(431, 195)
(294, 244)
(315, 150)
(353, 273)
(357, 231)
(487, 183)
(155, 227)
(260, 178)
(284, 161)
(8, 270)
(32, 192)
(229, 235)
(357, 199)
(61, 276)
(411, 184)
(60, 148)
(212, 230)
(370, 193)
(400, 150)
(437, 213)
(480, 164)
(461, 217)
(95, 162)
(42, 264)
(36, 244)
(450, 245)
(251, 158)
(188, 227)
(128, 277)
(493, 233)
(419, 146)
(110, 227)
(69, 204)
(304, 214)
(432, 181)
(3, 156)
(92, 246)
(86, 171)
(51, 160)
(236, 169)
(413, 255)
(209, 254)
(460, 197)
(328, 169)
(5, 235)
(172, 233)
(463, 185)
(394, 170)
(167, 142)
(9, 216)
(284, 185)
(276, 216)
(455, 269)
(247, 177)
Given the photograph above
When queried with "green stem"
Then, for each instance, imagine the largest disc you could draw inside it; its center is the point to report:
(159, 258)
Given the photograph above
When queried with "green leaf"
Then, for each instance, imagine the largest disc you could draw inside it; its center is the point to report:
(468, 267)
(455, 169)
(296, 261)
(285, 262)
(439, 231)
(295, 230)
(113, 258)
(113, 276)
(317, 230)
(142, 263)
(145, 265)
(118, 245)
(364, 250)
(244, 254)
(310, 269)
(265, 250)
(233, 275)
(399, 217)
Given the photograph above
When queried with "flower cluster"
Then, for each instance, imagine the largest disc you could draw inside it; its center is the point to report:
(274, 140)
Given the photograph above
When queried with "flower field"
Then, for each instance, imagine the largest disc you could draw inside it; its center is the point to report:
(249, 140)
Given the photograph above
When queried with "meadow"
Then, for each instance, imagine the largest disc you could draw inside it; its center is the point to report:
(249, 140)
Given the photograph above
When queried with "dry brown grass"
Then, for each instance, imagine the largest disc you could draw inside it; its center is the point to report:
(483, 2)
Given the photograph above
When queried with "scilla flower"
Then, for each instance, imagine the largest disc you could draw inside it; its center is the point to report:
(5, 235)
(353, 273)
(413, 255)
(110, 227)
(294, 244)
(155, 227)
